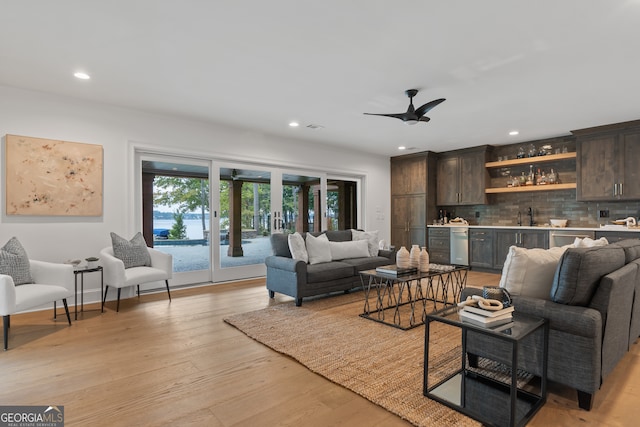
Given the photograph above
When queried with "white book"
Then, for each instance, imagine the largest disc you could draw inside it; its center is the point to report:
(488, 313)
(480, 320)
(502, 327)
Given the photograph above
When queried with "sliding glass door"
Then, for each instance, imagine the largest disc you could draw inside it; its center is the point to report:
(216, 218)
(175, 214)
(251, 204)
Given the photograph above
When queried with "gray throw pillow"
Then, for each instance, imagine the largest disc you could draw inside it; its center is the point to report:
(580, 270)
(14, 262)
(133, 253)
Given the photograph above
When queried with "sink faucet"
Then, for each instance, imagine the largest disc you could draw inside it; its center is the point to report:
(519, 218)
(530, 213)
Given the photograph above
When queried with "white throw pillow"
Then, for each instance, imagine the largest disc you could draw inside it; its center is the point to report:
(352, 249)
(370, 236)
(588, 242)
(318, 249)
(297, 247)
(530, 272)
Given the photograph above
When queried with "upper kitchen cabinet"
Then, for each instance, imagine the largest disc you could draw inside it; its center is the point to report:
(408, 175)
(462, 177)
(607, 162)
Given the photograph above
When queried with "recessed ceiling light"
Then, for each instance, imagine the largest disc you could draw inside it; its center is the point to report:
(402, 147)
(514, 133)
(294, 124)
(81, 75)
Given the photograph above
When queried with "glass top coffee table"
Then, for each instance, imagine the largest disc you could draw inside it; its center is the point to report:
(492, 400)
(403, 301)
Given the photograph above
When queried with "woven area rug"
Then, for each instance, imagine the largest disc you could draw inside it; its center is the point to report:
(379, 362)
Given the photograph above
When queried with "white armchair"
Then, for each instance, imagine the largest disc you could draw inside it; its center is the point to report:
(117, 276)
(52, 282)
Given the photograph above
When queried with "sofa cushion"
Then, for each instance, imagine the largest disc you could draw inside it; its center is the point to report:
(318, 248)
(580, 270)
(327, 271)
(530, 272)
(14, 262)
(371, 237)
(338, 235)
(631, 249)
(280, 245)
(350, 249)
(297, 247)
(367, 263)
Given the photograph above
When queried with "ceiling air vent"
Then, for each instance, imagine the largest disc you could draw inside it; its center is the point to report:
(312, 126)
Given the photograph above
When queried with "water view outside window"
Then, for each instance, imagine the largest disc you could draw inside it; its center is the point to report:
(181, 221)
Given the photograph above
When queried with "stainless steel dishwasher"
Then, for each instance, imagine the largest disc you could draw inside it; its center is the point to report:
(459, 237)
(559, 237)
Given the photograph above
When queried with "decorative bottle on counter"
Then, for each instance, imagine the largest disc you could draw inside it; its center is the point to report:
(402, 258)
(414, 256)
(424, 260)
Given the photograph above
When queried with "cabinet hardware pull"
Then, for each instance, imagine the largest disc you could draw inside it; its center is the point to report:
(621, 192)
(582, 236)
(615, 189)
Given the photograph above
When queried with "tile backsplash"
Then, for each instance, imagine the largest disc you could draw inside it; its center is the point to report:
(502, 209)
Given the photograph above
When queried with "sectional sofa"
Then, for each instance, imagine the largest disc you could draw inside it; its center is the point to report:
(593, 309)
(339, 272)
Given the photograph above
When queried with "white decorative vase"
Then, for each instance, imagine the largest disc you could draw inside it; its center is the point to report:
(414, 256)
(424, 260)
(402, 258)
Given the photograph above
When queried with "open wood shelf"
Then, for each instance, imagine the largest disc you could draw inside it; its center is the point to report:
(529, 160)
(547, 187)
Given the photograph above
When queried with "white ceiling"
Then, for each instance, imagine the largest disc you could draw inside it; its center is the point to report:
(542, 67)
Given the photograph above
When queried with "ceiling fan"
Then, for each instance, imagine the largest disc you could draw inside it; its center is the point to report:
(413, 115)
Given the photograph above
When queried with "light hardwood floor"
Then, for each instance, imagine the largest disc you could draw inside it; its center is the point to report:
(160, 363)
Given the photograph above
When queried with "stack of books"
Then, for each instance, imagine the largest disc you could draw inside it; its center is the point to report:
(394, 270)
(487, 318)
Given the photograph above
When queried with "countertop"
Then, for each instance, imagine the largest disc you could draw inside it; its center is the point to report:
(545, 227)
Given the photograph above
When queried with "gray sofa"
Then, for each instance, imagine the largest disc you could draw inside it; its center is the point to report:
(594, 316)
(298, 279)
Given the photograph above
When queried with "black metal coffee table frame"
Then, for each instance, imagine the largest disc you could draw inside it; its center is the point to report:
(443, 286)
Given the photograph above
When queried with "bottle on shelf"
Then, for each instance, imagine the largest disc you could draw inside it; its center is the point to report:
(530, 177)
(553, 177)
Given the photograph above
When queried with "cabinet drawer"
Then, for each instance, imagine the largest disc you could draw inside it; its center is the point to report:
(439, 232)
(439, 257)
(438, 244)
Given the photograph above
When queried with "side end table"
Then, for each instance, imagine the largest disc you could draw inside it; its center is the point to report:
(81, 272)
(483, 398)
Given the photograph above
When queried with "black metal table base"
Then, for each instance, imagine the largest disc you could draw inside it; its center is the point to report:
(404, 301)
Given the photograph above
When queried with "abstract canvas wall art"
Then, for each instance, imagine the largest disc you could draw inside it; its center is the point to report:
(50, 177)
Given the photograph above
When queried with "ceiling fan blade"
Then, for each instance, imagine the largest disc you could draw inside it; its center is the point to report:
(428, 106)
(424, 119)
(401, 116)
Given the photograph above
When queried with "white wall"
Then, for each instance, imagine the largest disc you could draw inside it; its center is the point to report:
(118, 130)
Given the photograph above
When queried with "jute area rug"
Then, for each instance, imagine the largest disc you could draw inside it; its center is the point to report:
(379, 362)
